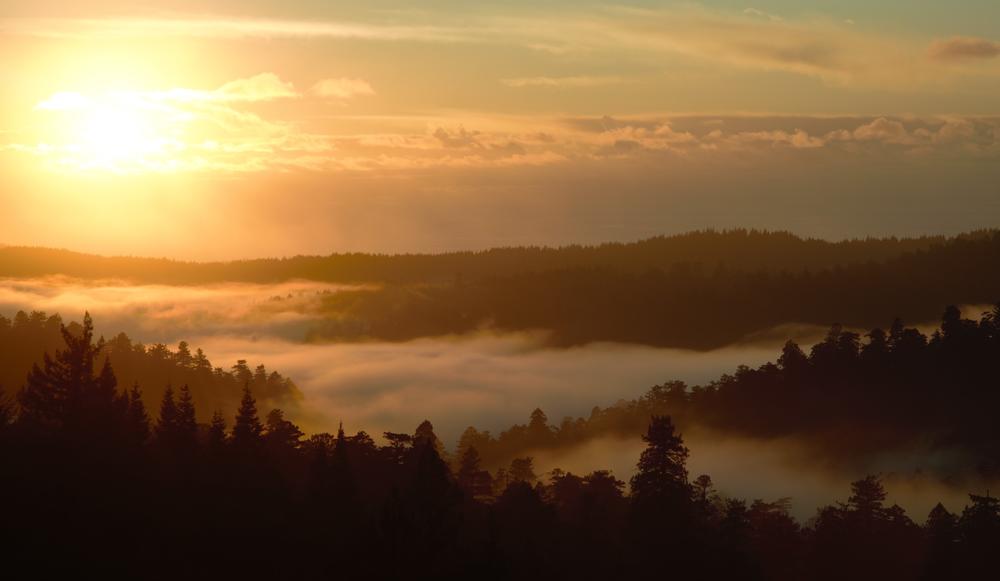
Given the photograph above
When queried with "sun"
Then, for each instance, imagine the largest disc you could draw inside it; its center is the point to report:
(120, 132)
(115, 134)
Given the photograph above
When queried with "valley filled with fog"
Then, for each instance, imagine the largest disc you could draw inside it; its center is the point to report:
(486, 379)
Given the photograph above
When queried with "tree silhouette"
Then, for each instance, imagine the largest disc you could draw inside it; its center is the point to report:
(247, 430)
(138, 419)
(662, 469)
(167, 426)
(217, 433)
(64, 391)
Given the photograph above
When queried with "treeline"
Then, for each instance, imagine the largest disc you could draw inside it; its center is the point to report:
(745, 250)
(849, 397)
(95, 487)
(691, 305)
(27, 336)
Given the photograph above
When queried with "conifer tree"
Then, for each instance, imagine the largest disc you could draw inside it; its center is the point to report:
(138, 419)
(54, 392)
(662, 468)
(217, 431)
(166, 425)
(187, 427)
(247, 429)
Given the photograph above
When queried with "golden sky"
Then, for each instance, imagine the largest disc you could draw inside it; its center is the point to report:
(233, 129)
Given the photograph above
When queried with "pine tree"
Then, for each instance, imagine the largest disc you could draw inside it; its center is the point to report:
(166, 425)
(471, 478)
(662, 469)
(58, 392)
(138, 419)
(217, 433)
(247, 429)
(280, 434)
(187, 427)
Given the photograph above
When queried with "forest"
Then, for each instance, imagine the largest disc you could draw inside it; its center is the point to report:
(27, 337)
(96, 479)
(691, 305)
(740, 249)
(897, 389)
(701, 290)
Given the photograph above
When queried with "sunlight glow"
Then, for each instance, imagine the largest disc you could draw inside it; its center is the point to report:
(119, 132)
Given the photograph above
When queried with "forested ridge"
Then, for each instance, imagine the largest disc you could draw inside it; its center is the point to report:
(690, 306)
(701, 290)
(847, 397)
(26, 337)
(739, 249)
(98, 482)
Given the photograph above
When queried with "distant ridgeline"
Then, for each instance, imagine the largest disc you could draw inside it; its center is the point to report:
(849, 397)
(744, 250)
(25, 339)
(691, 305)
(701, 290)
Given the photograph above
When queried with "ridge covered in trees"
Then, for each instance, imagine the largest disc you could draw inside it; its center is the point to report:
(95, 484)
(690, 305)
(701, 290)
(25, 337)
(848, 397)
(738, 249)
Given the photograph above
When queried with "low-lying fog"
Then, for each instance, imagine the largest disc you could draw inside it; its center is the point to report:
(486, 380)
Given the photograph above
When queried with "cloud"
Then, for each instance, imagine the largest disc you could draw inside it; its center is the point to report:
(762, 14)
(964, 48)
(882, 129)
(262, 87)
(63, 101)
(261, 28)
(831, 50)
(578, 81)
(342, 88)
(182, 130)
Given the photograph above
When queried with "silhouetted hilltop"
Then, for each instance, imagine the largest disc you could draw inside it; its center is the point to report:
(26, 337)
(849, 397)
(689, 305)
(744, 250)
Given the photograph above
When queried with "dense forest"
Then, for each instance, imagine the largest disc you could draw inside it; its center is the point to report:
(746, 250)
(95, 482)
(691, 305)
(896, 389)
(701, 290)
(25, 338)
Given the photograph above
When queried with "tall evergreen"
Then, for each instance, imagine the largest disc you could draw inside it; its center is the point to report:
(247, 430)
(64, 389)
(662, 469)
(217, 432)
(138, 419)
(187, 426)
(166, 424)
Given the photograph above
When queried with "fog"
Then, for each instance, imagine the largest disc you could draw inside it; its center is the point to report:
(167, 314)
(774, 469)
(486, 380)
(489, 381)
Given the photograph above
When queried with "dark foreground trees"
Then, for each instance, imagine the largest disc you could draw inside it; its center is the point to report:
(138, 497)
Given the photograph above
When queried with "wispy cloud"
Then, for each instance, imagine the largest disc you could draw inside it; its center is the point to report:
(824, 48)
(964, 48)
(575, 81)
(761, 14)
(342, 88)
(225, 28)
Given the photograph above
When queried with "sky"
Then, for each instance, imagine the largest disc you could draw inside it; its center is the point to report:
(233, 129)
